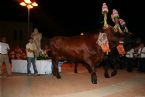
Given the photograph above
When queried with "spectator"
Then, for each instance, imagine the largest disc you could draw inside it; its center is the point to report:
(129, 60)
(4, 58)
(30, 48)
(141, 51)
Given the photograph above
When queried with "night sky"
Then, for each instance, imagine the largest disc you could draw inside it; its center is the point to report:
(70, 17)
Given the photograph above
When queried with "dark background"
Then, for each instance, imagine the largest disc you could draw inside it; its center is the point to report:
(70, 17)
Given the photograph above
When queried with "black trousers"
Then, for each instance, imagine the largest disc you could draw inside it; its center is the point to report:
(141, 66)
(129, 64)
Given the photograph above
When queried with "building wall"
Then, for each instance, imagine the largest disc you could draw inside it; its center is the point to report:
(15, 32)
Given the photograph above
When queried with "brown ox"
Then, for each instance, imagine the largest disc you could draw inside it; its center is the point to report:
(82, 49)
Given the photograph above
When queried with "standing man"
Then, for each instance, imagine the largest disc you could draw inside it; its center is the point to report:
(30, 48)
(4, 58)
(129, 60)
(141, 51)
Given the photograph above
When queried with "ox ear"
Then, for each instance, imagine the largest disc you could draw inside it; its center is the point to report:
(129, 33)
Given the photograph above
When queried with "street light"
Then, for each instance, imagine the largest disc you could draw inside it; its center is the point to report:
(29, 4)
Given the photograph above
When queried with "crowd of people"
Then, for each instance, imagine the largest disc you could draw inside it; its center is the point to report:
(136, 58)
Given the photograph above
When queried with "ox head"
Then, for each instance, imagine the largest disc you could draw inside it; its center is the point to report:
(130, 40)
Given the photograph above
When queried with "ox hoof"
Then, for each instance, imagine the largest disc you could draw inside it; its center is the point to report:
(94, 79)
(58, 77)
(75, 71)
(113, 73)
(94, 82)
(106, 75)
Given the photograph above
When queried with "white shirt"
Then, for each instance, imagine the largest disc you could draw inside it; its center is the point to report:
(129, 54)
(31, 47)
(4, 47)
(142, 52)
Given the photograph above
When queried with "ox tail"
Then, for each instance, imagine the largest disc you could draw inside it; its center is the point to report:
(49, 46)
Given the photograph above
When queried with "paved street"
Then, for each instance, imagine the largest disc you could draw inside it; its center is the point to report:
(124, 84)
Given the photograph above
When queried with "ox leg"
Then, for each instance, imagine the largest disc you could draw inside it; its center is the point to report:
(114, 67)
(106, 74)
(113, 73)
(55, 70)
(106, 66)
(94, 77)
(88, 68)
(92, 71)
(75, 68)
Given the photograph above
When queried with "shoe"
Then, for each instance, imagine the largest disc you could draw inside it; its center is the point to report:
(29, 74)
(36, 74)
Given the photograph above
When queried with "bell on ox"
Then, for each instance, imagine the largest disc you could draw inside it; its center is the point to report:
(105, 48)
(120, 49)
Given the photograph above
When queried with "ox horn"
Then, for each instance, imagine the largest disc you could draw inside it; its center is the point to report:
(117, 28)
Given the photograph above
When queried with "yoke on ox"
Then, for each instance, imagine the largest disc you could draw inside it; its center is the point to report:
(83, 49)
